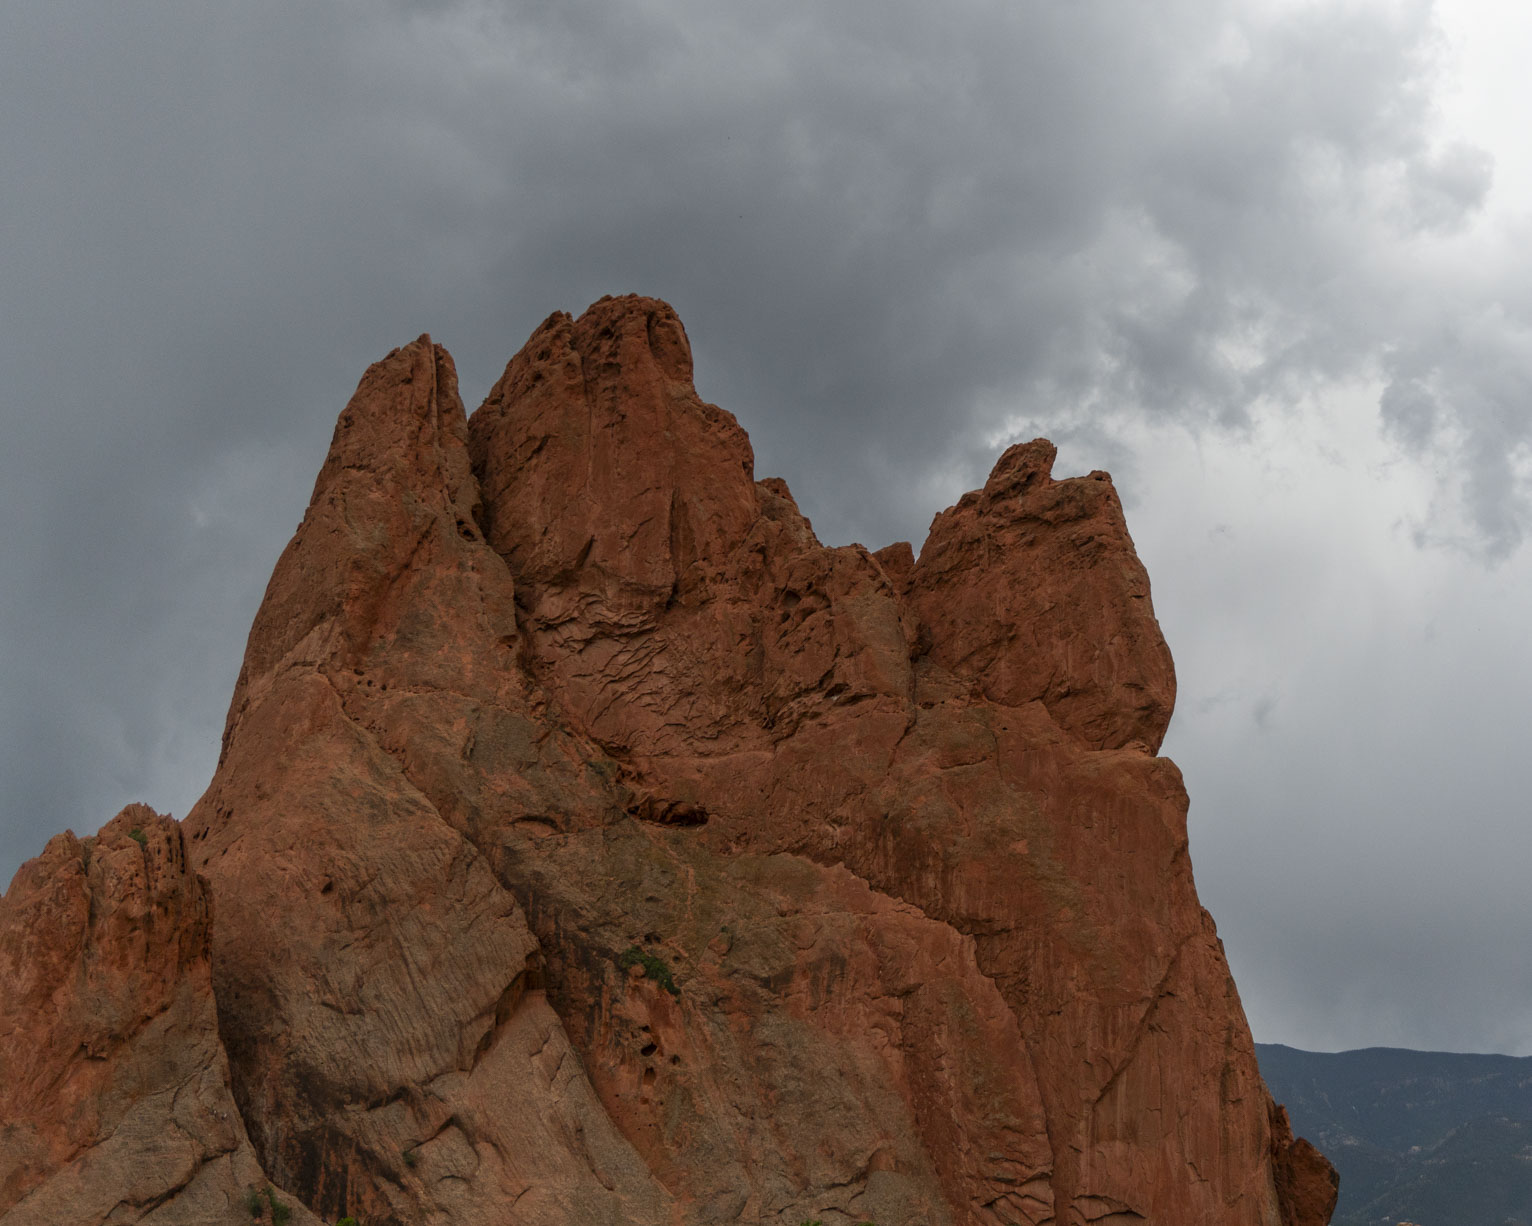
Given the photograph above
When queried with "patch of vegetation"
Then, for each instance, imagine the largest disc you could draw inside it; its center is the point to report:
(253, 1203)
(655, 969)
(279, 1211)
(411, 1157)
(347, 1221)
(139, 837)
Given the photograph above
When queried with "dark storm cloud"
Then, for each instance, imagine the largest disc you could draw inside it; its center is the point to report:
(879, 216)
(899, 237)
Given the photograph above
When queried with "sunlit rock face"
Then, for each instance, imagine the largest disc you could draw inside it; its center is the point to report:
(591, 844)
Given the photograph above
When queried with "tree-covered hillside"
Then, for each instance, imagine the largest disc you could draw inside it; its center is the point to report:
(1435, 1138)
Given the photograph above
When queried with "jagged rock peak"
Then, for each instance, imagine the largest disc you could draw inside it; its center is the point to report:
(594, 451)
(1032, 587)
(1019, 465)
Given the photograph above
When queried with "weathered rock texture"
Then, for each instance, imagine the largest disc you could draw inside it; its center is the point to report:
(591, 845)
(114, 1092)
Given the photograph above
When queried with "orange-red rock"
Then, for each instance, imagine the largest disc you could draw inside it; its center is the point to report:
(114, 1091)
(1307, 1185)
(591, 843)
(1031, 587)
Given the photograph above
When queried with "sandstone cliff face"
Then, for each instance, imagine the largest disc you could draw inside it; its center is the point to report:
(114, 1091)
(590, 843)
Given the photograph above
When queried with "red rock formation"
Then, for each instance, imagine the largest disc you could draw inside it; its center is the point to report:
(1307, 1185)
(114, 1092)
(589, 841)
(1030, 587)
(392, 1049)
(970, 734)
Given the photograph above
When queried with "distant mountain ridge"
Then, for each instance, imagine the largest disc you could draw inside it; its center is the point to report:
(1434, 1138)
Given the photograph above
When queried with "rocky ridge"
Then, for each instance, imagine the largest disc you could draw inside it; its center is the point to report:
(590, 843)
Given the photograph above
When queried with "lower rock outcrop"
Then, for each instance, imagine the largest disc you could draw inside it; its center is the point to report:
(114, 1091)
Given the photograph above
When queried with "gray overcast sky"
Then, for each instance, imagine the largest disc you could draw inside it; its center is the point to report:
(1265, 261)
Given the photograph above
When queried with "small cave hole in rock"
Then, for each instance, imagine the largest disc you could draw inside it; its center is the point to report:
(648, 1049)
(668, 812)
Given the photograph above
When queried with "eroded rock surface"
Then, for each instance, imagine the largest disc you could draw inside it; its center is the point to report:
(114, 1092)
(591, 844)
